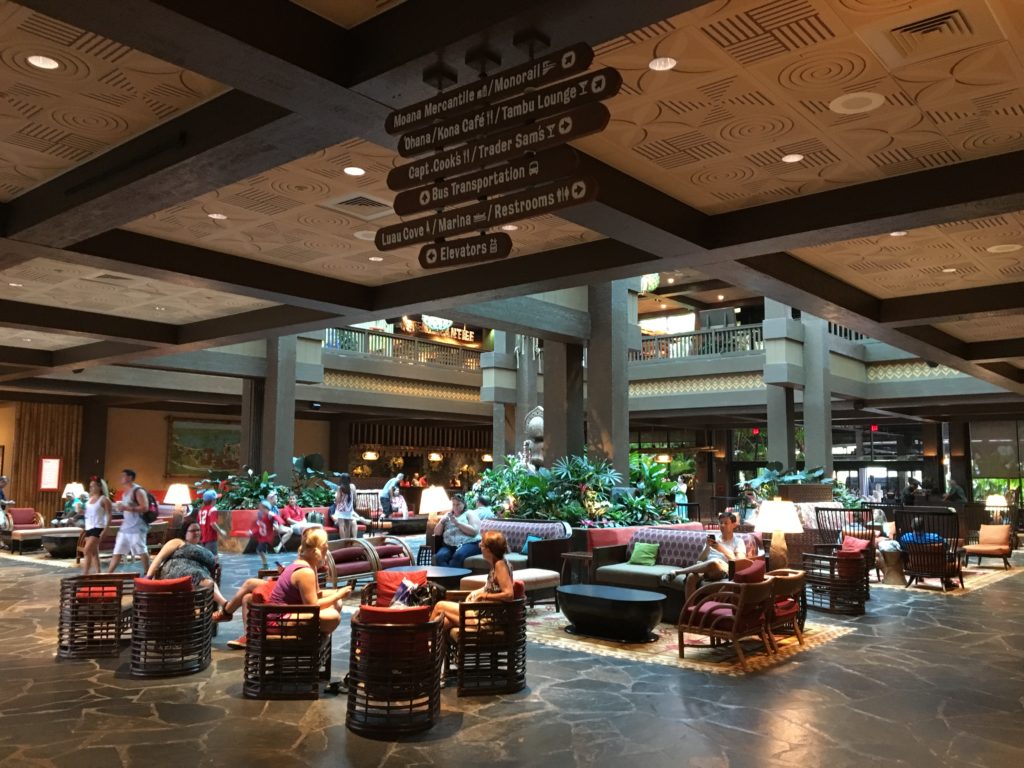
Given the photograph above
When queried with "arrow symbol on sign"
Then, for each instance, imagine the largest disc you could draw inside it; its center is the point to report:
(565, 125)
(430, 256)
(424, 197)
(578, 190)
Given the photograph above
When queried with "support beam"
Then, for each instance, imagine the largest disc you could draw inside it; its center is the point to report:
(953, 306)
(989, 351)
(38, 317)
(525, 314)
(21, 357)
(781, 425)
(563, 401)
(608, 392)
(817, 406)
(246, 326)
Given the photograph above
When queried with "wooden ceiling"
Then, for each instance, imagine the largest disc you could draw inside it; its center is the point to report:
(348, 13)
(101, 94)
(15, 337)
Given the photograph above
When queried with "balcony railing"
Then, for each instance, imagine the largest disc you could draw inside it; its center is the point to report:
(403, 349)
(715, 341)
(845, 333)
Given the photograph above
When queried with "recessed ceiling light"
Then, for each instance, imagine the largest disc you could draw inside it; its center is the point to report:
(949, 270)
(855, 103)
(217, 216)
(364, 234)
(898, 233)
(354, 170)
(671, 280)
(664, 305)
(509, 227)
(25, 338)
(662, 63)
(43, 62)
(16, 285)
(160, 309)
(737, 310)
(376, 258)
(721, 297)
(1004, 248)
(793, 158)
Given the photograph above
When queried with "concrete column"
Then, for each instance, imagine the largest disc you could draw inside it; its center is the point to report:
(960, 456)
(563, 400)
(252, 423)
(781, 426)
(279, 408)
(92, 454)
(817, 395)
(526, 384)
(498, 386)
(608, 359)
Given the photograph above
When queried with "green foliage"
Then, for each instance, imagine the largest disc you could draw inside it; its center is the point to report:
(846, 497)
(246, 489)
(767, 482)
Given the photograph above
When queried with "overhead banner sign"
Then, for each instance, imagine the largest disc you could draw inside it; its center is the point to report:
(490, 213)
(454, 253)
(543, 134)
(586, 89)
(541, 168)
(541, 71)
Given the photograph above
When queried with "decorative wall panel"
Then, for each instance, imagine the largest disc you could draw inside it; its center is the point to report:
(44, 429)
(917, 369)
(391, 386)
(696, 385)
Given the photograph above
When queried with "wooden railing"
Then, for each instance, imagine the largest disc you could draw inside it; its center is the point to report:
(715, 341)
(845, 333)
(404, 349)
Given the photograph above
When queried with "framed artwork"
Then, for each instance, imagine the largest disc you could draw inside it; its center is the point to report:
(2, 452)
(49, 473)
(197, 448)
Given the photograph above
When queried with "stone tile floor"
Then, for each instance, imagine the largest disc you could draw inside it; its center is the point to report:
(924, 681)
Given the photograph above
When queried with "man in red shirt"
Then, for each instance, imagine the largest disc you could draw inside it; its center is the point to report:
(207, 519)
(284, 521)
(262, 531)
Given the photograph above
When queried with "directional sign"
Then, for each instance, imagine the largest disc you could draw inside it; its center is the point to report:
(527, 172)
(586, 89)
(490, 213)
(469, 250)
(545, 133)
(546, 69)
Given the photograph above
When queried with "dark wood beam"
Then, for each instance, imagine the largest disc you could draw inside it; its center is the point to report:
(98, 353)
(20, 357)
(991, 351)
(936, 338)
(1008, 371)
(951, 306)
(529, 315)
(696, 286)
(38, 317)
(258, 324)
(194, 267)
(799, 277)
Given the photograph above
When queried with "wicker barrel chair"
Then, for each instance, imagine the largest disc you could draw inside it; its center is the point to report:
(931, 544)
(488, 648)
(94, 617)
(835, 583)
(850, 530)
(286, 654)
(172, 627)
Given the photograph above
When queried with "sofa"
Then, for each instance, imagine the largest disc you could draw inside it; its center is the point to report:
(354, 559)
(544, 553)
(677, 549)
(241, 521)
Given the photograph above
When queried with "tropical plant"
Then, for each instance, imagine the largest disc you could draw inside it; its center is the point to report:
(241, 491)
(767, 482)
(846, 497)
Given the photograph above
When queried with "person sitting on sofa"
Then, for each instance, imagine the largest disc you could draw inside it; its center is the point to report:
(460, 530)
(713, 563)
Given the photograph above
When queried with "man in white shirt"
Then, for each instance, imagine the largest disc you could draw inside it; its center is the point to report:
(713, 563)
(131, 536)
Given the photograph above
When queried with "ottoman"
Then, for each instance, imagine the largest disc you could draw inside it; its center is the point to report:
(539, 584)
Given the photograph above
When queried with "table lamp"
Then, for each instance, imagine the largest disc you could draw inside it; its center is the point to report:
(996, 505)
(778, 518)
(434, 503)
(75, 490)
(179, 495)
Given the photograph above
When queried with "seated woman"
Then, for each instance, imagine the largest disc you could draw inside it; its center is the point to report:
(499, 585)
(713, 563)
(295, 585)
(398, 506)
(460, 530)
(186, 557)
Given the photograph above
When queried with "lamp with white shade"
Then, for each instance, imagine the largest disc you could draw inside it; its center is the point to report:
(179, 495)
(996, 505)
(74, 490)
(434, 503)
(778, 518)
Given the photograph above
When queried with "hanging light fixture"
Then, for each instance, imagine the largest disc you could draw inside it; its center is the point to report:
(663, 458)
(487, 458)
(433, 457)
(436, 324)
(650, 283)
(370, 455)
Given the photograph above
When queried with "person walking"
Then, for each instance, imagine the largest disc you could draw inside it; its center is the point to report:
(131, 536)
(207, 519)
(345, 515)
(97, 517)
(385, 494)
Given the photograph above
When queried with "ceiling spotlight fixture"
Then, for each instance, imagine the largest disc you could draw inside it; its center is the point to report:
(664, 305)
(364, 234)
(949, 270)
(354, 170)
(898, 233)
(25, 338)
(160, 309)
(793, 158)
(376, 258)
(43, 62)
(662, 63)
(671, 280)
(855, 103)
(509, 227)
(1004, 248)
(16, 285)
(721, 297)
(216, 216)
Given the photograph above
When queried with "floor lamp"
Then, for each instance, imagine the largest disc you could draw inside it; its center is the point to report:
(778, 518)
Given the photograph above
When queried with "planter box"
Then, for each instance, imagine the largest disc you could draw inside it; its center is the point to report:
(802, 493)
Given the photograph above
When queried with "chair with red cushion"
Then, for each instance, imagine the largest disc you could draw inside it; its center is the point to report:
(849, 530)
(788, 605)
(286, 654)
(835, 583)
(22, 519)
(728, 612)
(172, 627)
(386, 583)
(351, 560)
(94, 618)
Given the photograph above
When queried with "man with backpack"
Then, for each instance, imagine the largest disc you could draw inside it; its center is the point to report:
(138, 509)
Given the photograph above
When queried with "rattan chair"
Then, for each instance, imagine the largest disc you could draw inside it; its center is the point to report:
(835, 524)
(835, 583)
(488, 648)
(788, 606)
(394, 679)
(728, 612)
(94, 617)
(286, 655)
(931, 545)
(172, 628)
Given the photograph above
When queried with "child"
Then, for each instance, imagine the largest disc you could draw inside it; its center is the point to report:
(207, 519)
(262, 532)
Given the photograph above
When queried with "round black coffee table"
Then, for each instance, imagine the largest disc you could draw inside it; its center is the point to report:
(62, 543)
(615, 613)
(448, 578)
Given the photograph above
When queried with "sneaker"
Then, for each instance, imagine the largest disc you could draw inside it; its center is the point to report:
(238, 644)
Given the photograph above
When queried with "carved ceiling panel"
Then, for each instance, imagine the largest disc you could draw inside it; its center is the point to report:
(985, 328)
(16, 337)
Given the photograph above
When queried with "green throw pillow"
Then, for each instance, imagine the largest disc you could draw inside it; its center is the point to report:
(644, 554)
(526, 544)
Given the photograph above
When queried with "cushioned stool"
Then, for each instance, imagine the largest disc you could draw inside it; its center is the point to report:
(540, 584)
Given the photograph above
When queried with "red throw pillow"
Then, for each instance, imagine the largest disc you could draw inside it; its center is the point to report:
(752, 574)
(850, 565)
(184, 584)
(853, 544)
(389, 581)
(374, 614)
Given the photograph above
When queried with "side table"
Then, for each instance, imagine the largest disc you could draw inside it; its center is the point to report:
(577, 567)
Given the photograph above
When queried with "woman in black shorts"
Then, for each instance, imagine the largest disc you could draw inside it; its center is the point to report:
(97, 517)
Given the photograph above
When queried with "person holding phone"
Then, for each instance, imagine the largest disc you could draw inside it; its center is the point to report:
(713, 563)
(460, 530)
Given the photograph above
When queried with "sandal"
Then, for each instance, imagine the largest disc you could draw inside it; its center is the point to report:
(222, 615)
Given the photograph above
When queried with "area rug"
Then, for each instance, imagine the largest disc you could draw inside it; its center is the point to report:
(548, 628)
(975, 578)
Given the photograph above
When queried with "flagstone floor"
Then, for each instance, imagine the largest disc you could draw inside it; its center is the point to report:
(924, 680)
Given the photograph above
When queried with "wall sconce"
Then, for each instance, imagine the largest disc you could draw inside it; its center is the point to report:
(370, 455)
(487, 458)
(663, 458)
(434, 457)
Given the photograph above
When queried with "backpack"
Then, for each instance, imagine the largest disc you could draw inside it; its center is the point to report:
(152, 511)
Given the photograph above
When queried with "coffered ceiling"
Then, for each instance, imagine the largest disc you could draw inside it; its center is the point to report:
(754, 82)
(311, 215)
(348, 13)
(986, 329)
(99, 94)
(14, 337)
